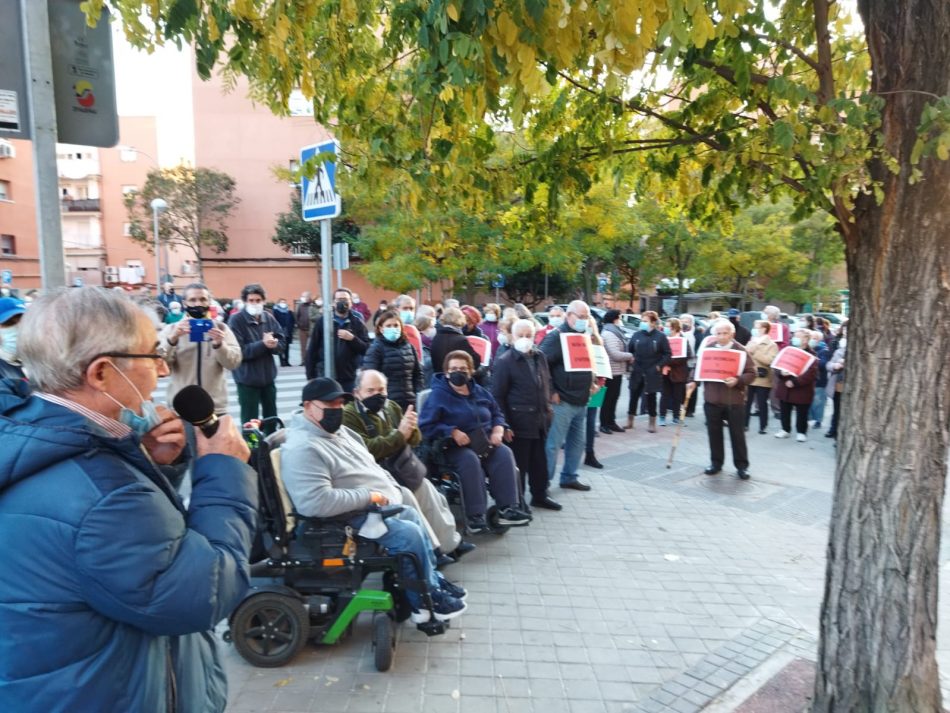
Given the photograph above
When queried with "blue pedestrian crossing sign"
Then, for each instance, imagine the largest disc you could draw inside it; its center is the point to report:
(318, 197)
(6, 277)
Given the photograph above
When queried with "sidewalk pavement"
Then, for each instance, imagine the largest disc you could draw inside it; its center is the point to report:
(659, 590)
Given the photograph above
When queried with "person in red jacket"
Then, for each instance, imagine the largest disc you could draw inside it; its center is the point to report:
(796, 392)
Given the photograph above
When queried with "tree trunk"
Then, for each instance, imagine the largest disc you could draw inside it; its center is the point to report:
(879, 615)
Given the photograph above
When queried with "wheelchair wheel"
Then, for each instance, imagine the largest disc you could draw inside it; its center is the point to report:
(491, 515)
(384, 640)
(268, 630)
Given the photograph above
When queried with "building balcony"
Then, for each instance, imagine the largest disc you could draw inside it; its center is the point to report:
(80, 205)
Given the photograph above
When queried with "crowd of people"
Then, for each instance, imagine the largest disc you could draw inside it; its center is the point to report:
(492, 395)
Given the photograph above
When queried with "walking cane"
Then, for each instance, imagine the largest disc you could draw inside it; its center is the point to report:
(690, 388)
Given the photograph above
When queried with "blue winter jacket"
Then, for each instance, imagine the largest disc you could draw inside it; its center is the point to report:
(110, 588)
(445, 410)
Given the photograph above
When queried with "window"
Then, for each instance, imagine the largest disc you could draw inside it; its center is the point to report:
(126, 189)
(127, 230)
(128, 155)
(7, 245)
(5, 191)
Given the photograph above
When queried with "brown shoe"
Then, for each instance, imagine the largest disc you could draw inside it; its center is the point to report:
(629, 421)
(652, 427)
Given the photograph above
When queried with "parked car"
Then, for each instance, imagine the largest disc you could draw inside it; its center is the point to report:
(833, 317)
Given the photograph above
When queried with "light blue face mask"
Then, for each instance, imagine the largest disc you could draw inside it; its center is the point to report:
(580, 325)
(644, 326)
(8, 335)
(796, 342)
(150, 417)
(667, 331)
(813, 343)
(391, 334)
(406, 316)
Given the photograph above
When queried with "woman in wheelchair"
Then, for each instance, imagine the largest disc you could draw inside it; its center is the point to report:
(466, 417)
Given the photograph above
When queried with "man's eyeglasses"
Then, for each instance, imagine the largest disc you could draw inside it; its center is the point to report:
(126, 355)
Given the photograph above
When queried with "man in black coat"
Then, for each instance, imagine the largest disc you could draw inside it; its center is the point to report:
(260, 337)
(285, 318)
(350, 342)
(521, 384)
(570, 392)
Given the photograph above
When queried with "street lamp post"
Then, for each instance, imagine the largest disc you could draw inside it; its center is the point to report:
(158, 205)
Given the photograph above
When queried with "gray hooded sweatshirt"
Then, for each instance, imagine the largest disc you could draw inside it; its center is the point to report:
(328, 474)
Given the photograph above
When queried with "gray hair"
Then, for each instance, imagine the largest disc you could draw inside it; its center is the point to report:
(523, 324)
(358, 383)
(772, 311)
(453, 317)
(576, 305)
(64, 330)
(450, 302)
(722, 322)
(687, 317)
(426, 311)
(402, 299)
(423, 322)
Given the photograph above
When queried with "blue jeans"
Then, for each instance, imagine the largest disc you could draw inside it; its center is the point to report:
(817, 410)
(408, 534)
(568, 429)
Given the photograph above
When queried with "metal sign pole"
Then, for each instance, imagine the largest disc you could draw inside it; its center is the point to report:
(42, 114)
(329, 367)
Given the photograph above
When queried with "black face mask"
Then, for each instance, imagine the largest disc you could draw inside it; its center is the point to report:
(196, 311)
(374, 403)
(458, 378)
(332, 419)
(342, 306)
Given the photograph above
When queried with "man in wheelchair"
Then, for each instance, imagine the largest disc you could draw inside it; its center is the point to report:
(328, 471)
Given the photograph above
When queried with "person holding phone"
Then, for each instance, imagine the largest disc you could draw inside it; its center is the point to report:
(182, 343)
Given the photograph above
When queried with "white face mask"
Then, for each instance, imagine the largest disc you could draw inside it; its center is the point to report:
(255, 310)
(503, 338)
(8, 339)
(491, 317)
(524, 344)
(430, 332)
(556, 321)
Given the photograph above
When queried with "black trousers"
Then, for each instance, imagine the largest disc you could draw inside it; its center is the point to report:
(836, 402)
(533, 463)
(801, 417)
(760, 395)
(637, 386)
(672, 399)
(608, 411)
(735, 417)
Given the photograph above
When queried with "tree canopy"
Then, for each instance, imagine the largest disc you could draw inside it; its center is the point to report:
(200, 201)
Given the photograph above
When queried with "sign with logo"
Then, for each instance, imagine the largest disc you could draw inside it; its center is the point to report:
(793, 360)
(13, 82)
(498, 282)
(719, 364)
(6, 277)
(318, 197)
(83, 76)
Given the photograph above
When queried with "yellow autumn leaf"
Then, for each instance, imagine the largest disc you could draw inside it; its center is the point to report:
(452, 12)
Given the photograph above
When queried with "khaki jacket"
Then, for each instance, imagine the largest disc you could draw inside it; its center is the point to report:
(182, 359)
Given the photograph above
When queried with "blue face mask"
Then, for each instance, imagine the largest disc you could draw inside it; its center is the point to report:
(580, 325)
(150, 417)
(813, 343)
(391, 334)
(644, 326)
(667, 331)
(9, 337)
(406, 316)
(796, 342)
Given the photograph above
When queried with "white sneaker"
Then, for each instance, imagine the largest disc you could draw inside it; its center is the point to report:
(801, 438)
(781, 434)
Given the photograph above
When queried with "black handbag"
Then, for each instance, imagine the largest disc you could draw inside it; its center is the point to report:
(761, 372)
(406, 468)
(479, 443)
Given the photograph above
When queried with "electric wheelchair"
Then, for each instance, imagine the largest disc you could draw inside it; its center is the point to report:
(307, 577)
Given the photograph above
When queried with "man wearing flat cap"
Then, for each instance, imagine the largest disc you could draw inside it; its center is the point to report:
(328, 472)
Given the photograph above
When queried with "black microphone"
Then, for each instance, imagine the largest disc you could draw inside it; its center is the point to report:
(196, 406)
